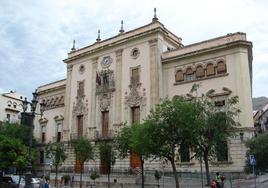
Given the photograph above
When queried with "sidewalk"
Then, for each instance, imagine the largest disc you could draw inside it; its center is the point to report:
(184, 183)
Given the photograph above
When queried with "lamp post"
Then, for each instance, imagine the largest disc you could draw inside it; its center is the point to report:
(27, 118)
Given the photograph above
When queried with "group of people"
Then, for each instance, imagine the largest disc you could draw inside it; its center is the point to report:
(218, 182)
(44, 183)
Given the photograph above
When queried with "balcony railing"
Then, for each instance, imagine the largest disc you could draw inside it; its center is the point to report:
(104, 135)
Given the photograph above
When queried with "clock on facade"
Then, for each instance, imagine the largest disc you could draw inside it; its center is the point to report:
(106, 62)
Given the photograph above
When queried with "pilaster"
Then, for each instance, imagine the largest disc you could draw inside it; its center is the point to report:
(154, 75)
(67, 101)
(118, 94)
(93, 92)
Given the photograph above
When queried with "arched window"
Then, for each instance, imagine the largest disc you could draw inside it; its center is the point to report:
(179, 76)
(200, 72)
(190, 74)
(210, 70)
(221, 67)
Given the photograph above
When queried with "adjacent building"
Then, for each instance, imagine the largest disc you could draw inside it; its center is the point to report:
(122, 78)
(11, 106)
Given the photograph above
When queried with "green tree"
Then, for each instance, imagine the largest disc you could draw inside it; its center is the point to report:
(83, 151)
(171, 124)
(215, 126)
(13, 153)
(107, 155)
(134, 138)
(56, 152)
(258, 146)
(14, 130)
(16, 134)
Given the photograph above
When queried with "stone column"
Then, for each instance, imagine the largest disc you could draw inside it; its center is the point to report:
(154, 72)
(93, 93)
(118, 86)
(67, 102)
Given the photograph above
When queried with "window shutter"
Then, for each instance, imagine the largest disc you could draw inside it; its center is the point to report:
(200, 72)
(179, 76)
(210, 70)
(221, 67)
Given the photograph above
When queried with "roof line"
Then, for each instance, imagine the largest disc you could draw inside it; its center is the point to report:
(52, 83)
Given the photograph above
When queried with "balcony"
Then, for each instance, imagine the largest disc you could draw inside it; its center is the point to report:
(106, 82)
(105, 135)
(75, 136)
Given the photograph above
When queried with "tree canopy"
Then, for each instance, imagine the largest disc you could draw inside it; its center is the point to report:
(14, 139)
(83, 151)
(258, 146)
(56, 152)
(216, 124)
(171, 124)
(134, 138)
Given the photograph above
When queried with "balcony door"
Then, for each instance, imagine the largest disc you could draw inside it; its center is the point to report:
(105, 123)
(79, 126)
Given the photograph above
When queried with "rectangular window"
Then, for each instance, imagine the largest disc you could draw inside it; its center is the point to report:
(80, 126)
(189, 77)
(222, 152)
(59, 131)
(135, 76)
(184, 153)
(41, 157)
(8, 117)
(59, 137)
(135, 114)
(219, 103)
(105, 123)
(43, 136)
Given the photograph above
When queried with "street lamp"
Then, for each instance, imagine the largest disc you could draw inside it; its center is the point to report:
(27, 118)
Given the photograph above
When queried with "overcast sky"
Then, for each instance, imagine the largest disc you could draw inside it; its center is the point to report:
(35, 36)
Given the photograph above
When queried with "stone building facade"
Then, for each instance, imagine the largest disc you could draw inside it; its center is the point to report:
(122, 78)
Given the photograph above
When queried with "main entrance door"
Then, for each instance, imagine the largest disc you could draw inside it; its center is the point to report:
(134, 158)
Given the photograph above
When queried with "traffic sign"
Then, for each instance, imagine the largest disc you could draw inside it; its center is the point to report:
(252, 160)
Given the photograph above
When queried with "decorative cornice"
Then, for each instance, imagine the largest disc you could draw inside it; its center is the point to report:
(104, 44)
(59, 118)
(210, 45)
(226, 91)
(43, 121)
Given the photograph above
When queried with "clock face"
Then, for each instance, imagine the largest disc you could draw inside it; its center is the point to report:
(106, 62)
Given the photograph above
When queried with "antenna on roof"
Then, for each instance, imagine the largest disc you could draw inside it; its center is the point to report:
(73, 48)
(121, 31)
(98, 39)
(155, 19)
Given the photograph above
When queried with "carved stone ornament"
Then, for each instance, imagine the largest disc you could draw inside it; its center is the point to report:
(225, 91)
(105, 101)
(80, 108)
(135, 98)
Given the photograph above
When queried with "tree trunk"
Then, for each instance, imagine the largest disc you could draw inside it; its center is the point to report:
(175, 173)
(19, 178)
(81, 172)
(56, 178)
(142, 172)
(207, 167)
(108, 179)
